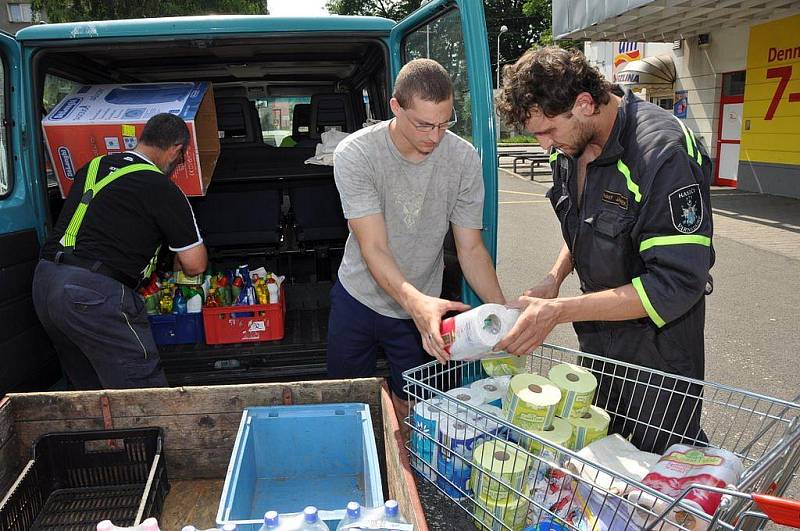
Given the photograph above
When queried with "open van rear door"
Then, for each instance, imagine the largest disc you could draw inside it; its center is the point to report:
(26, 356)
(453, 32)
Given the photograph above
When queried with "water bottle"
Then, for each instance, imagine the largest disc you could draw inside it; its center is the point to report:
(312, 521)
(351, 515)
(391, 513)
(271, 521)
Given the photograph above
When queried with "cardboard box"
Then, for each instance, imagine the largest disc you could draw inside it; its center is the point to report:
(100, 119)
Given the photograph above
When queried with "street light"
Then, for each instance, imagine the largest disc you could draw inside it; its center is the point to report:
(503, 29)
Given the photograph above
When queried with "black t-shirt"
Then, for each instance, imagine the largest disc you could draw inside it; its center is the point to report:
(128, 219)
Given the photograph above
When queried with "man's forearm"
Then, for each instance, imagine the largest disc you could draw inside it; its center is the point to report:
(478, 270)
(562, 266)
(618, 304)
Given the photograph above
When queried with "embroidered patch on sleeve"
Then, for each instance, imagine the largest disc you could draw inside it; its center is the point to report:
(686, 207)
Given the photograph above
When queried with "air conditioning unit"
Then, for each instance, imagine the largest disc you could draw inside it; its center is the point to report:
(703, 40)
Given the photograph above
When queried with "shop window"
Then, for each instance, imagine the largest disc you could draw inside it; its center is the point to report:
(733, 83)
(20, 13)
(664, 103)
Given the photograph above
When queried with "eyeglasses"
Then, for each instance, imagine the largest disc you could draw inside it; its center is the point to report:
(427, 128)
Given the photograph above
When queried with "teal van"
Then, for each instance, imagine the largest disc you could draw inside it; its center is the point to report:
(278, 83)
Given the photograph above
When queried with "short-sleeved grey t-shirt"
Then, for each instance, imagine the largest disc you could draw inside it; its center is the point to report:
(418, 202)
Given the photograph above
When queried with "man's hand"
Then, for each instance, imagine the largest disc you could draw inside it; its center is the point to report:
(427, 314)
(538, 318)
(546, 289)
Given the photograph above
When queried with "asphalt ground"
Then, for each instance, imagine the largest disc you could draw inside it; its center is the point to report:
(752, 329)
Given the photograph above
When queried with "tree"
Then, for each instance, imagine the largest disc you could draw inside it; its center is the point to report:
(392, 9)
(79, 10)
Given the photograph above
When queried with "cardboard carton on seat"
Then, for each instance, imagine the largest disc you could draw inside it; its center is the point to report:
(100, 119)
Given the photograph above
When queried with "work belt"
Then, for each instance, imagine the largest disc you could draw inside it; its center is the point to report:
(95, 266)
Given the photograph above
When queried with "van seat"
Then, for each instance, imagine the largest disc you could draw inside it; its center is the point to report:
(240, 216)
(318, 211)
(238, 120)
(331, 111)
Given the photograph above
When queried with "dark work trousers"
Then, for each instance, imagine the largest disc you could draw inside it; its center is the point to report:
(99, 328)
(654, 410)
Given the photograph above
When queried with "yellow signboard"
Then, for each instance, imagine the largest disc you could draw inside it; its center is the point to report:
(771, 116)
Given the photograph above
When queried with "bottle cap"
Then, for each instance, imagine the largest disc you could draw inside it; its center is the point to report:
(271, 519)
(189, 528)
(151, 524)
(105, 525)
(310, 514)
(391, 508)
(229, 527)
(353, 509)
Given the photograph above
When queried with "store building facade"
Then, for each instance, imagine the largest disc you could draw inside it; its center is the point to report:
(729, 69)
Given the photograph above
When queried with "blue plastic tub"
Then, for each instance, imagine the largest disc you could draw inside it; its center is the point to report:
(177, 329)
(288, 457)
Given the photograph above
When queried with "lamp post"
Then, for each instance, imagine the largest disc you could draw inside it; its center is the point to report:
(503, 29)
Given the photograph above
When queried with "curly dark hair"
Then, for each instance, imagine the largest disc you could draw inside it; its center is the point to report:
(548, 79)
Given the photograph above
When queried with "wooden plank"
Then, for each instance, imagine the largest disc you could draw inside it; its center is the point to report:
(10, 463)
(190, 400)
(192, 502)
(400, 477)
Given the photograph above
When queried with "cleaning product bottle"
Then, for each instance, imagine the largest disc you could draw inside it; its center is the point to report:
(351, 515)
(274, 290)
(165, 304)
(179, 302)
(194, 299)
(312, 521)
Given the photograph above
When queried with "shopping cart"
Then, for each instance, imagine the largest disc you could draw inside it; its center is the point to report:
(528, 480)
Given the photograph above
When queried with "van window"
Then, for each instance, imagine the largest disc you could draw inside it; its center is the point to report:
(4, 170)
(443, 41)
(55, 89)
(277, 120)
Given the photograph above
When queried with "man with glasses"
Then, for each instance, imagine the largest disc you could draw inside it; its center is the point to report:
(403, 183)
(631, 191)
(120, 210)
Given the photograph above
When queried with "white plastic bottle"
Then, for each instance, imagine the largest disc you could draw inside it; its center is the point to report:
(351, 515)
(391, 513)
(229, 527)
(271, 521)
(312, 521)
(151, 524)
(189, 528)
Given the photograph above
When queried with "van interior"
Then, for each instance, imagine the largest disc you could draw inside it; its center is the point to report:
(265, 206)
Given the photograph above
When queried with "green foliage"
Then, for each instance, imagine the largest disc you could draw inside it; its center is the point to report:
(79, 10)
(391, 9)
(519, 139)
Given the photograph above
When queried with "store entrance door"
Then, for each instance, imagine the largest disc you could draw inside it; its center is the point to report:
(729, 132)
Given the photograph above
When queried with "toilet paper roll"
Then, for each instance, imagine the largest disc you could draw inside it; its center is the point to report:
(498, 514)
(472, 334)
(501, 467)
(472, 397)
(577, 387)
(485, 424)
(558, 433)
(457, 439)
(504, 366)
(531, 402)
(426, 417)
(492, 390)
(588, 427)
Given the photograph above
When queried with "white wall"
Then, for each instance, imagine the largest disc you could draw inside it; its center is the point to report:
(601, 56)
(700, 73)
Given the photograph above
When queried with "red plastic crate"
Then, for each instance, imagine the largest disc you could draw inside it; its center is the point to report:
(245, 324)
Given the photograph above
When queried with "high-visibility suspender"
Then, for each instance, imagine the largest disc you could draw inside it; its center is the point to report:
(90, 189)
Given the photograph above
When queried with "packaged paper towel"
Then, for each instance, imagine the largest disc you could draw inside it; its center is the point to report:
(618, 455)
(680, 467)
(472, 335)
(504, 365)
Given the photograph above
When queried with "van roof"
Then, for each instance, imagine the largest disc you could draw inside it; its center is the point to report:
(202, 25)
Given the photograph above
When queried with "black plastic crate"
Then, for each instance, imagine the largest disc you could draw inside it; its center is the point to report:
(75, 480)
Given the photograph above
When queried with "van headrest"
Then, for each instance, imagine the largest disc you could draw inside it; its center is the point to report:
(301, 120)
(331, 111)
(237, 121)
